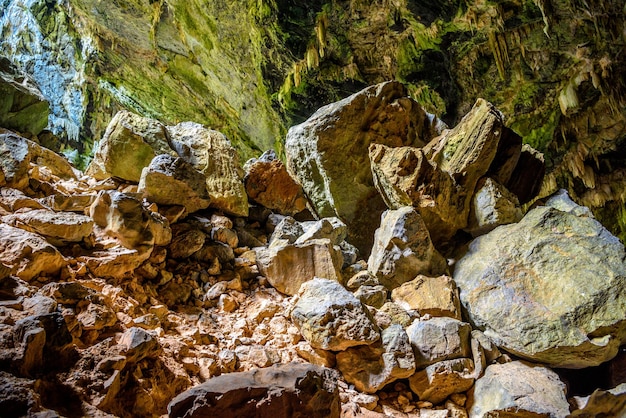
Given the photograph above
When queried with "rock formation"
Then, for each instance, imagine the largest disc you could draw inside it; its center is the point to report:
(165, 291)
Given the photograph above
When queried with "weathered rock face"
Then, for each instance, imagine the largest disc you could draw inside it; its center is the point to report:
(172, 181)
(287, 266)
(371, 367)
(28, 254)
(290, 390)
(331, 318)
(438, 339)
(22, 107)
(549, 288)
(59, 228)
(440, 179)
(211, 153)
(269, 184)
(328, 153)
(492, 206)
(403, 249)
(435, 296)
(128, 145)
(440, 380)
(521, 387)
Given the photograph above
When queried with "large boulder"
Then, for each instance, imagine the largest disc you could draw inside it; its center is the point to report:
(403, 249)
(211, 153)
(331, 318)
(170, 180)
(288, 390)
(529, 390)
(328, 154)
(28, 254)
(551, 288)
(128, 145)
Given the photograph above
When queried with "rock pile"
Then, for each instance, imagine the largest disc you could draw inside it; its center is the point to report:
(387, 269)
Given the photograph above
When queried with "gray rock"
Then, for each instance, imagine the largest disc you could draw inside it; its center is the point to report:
(138, 344)
(331, 318)
(530, 390)
(492, 205)
(211, 153)
(438, 339)
(285, 391)
(172, 181)
(328, 154)
(403, 249)
(128, 145)
(551, 288)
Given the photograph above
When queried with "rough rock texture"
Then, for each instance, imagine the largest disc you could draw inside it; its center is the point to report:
(123, 216)
(550, 288)
(439, 180)
(402, 249)
(331, 318)
(435, 296)
(328, 154)
(172, 181)
(59, 228)
(521, 387)
(372, 367)
(128, 145)
(269, 184)
(440, 380)
(22, 107)
(492, 205)
(437, 339)
(287, 266)
(211, 153)
(28, 254)
(290, 390)
(610, 402)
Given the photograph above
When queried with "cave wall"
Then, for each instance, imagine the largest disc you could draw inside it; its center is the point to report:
(252, 68)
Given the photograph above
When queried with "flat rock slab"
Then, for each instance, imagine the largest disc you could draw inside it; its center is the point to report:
(289, 390)
(551, 288)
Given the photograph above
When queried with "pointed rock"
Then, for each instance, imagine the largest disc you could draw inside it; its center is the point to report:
(403, 249)
(128, 145)
(328, 155)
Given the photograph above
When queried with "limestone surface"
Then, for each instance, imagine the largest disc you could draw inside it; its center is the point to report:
(517, 386)
(550, 288)
(328, 153)
(172, 181)
(403, 249)
(211, 153)
(331, 318)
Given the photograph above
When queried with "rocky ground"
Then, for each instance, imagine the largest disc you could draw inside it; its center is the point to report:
(388, 268)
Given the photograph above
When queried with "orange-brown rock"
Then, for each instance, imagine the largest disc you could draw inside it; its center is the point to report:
(269, 184)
